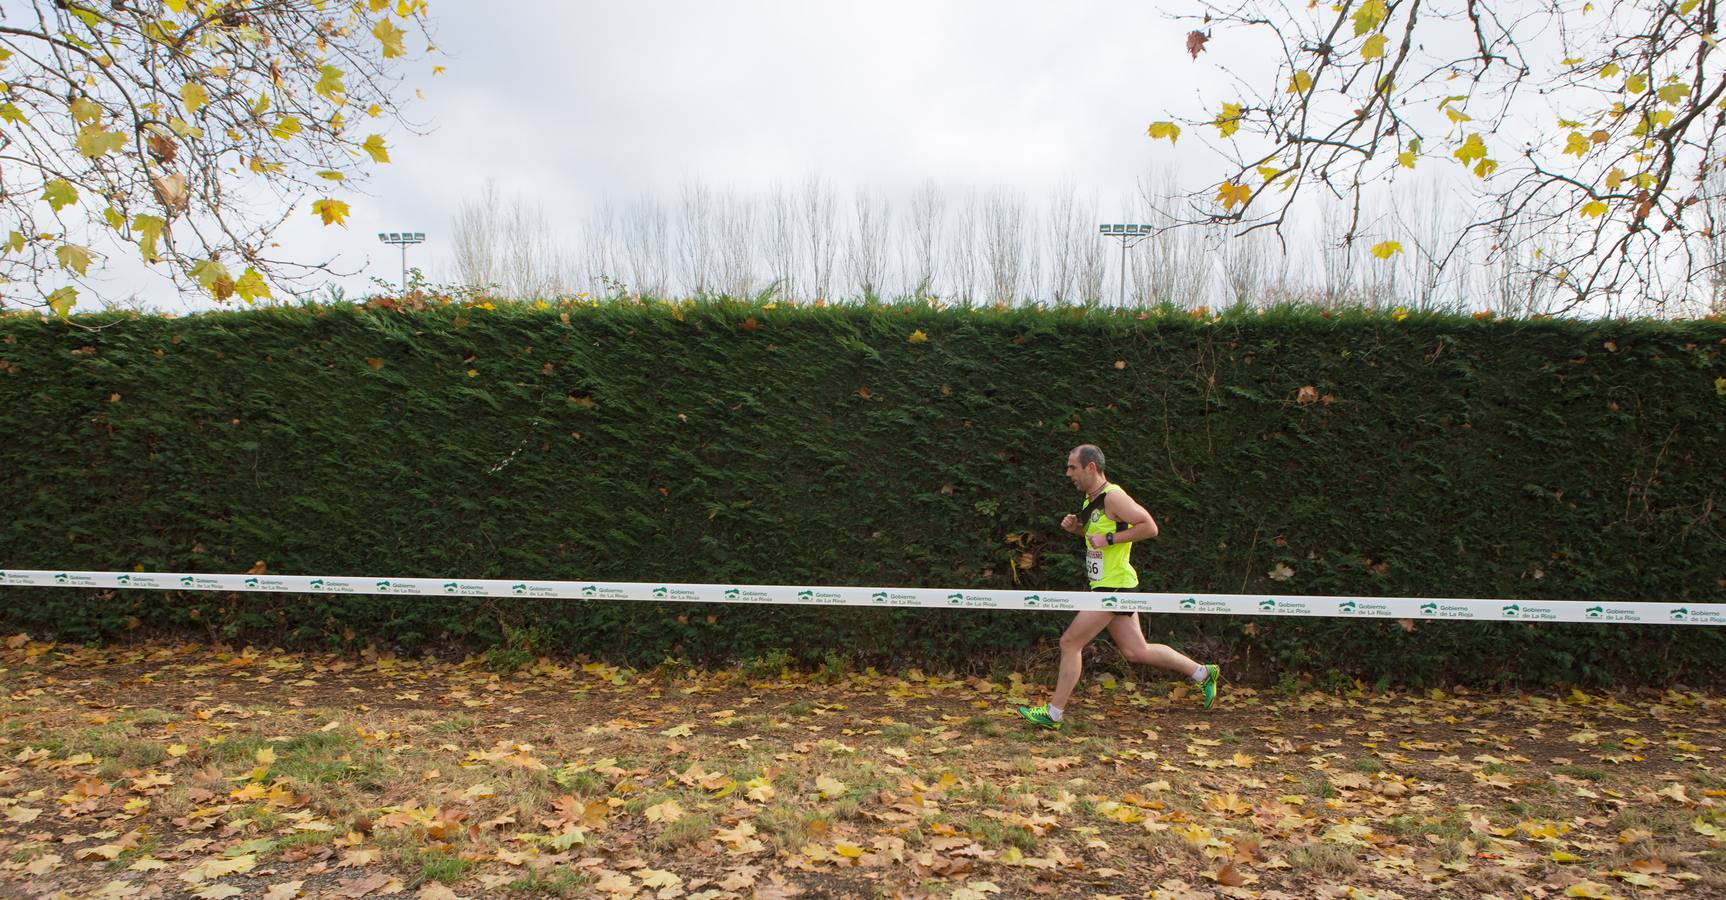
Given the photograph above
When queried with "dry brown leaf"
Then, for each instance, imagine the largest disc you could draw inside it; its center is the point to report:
(1196, 42)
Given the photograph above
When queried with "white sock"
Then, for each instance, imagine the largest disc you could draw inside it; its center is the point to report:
(1200, 674)
(1055, 713)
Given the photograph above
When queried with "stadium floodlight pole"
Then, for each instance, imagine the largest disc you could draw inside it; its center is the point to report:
(403, 238)
(1131, 236)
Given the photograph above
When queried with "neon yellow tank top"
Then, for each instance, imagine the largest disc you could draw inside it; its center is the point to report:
(1110, 567)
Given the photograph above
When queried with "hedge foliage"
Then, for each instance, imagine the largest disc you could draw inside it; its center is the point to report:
(1432, 456)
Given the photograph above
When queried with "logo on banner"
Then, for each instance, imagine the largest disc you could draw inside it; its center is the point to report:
(1190, 603)
(317, 584)
(60, 578)
(122, 578)
(589, 591)
(1429, 609)
(1032, 600)
(805, 596)
(1511, 610)
(956, 599)
(1267, 606)
(1680, 614)
(732, 593)
(1347, 606)
(251, 582)
(449, 588)
(1594, 612)
(879, 596)
(1111, 601)
(186, 581)
(660, 592)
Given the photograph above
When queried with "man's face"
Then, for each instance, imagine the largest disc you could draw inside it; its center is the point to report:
(1084, 478)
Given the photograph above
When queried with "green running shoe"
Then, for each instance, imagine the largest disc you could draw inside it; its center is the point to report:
(1039, 716)
(1213, 675)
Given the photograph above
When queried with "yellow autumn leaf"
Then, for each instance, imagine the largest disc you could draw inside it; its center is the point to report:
(390, 37)
(1674, 92)
(1373, 48)
(1564, 856)
(849, 851)
(1614, 178)
(666, 812)
(286, 128)
(61, 301)
(59, 193)
(86, 111)
(329, 82)
(177, 749)
(250, 287)
(1405, 159)
(1576, 145)
(374, 146)
(1588, 889)
(1368, 16)
(1636, 84)
(1230, 195)
(94, 141)
(333, 212)
(1386, 250)
(73, 258)
(829, 786)
(1593, 209)
(1229, 120)
(1472, 149)
(917, 337)
(1299, 83)
(193, 97)
(1160, 130)
(1610, 70)
(265, 756)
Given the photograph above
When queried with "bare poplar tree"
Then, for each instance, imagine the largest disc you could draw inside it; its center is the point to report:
(474, 237)
(866, 243)
(1065, 235)
(695, 236)
(966, 253)
(737, 245)
(820, 210)
(923, 245)
(647, 240)
(1429, 227)
(602, 257)
(1004, 245)
(783, 241)
(1248, 263)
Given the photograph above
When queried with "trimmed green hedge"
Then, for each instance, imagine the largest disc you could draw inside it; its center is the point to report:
(874, 445)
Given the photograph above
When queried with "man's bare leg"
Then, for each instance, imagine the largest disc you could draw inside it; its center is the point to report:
(1130, 638)
(1085, 627)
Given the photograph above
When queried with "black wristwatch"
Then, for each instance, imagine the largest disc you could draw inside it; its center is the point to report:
(1109, 538)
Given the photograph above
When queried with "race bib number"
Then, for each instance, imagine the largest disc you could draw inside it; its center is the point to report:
(1093, 565)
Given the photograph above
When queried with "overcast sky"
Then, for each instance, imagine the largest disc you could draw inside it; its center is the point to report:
(568, 103)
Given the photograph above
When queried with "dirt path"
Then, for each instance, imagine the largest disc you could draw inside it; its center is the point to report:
(175, 771)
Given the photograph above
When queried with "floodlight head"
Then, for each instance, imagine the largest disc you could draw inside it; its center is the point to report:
(419, 236)
(383, 237)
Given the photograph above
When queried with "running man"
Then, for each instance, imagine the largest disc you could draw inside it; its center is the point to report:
(1109, 524)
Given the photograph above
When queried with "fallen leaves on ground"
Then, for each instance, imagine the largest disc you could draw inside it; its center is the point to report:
(196, 771)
